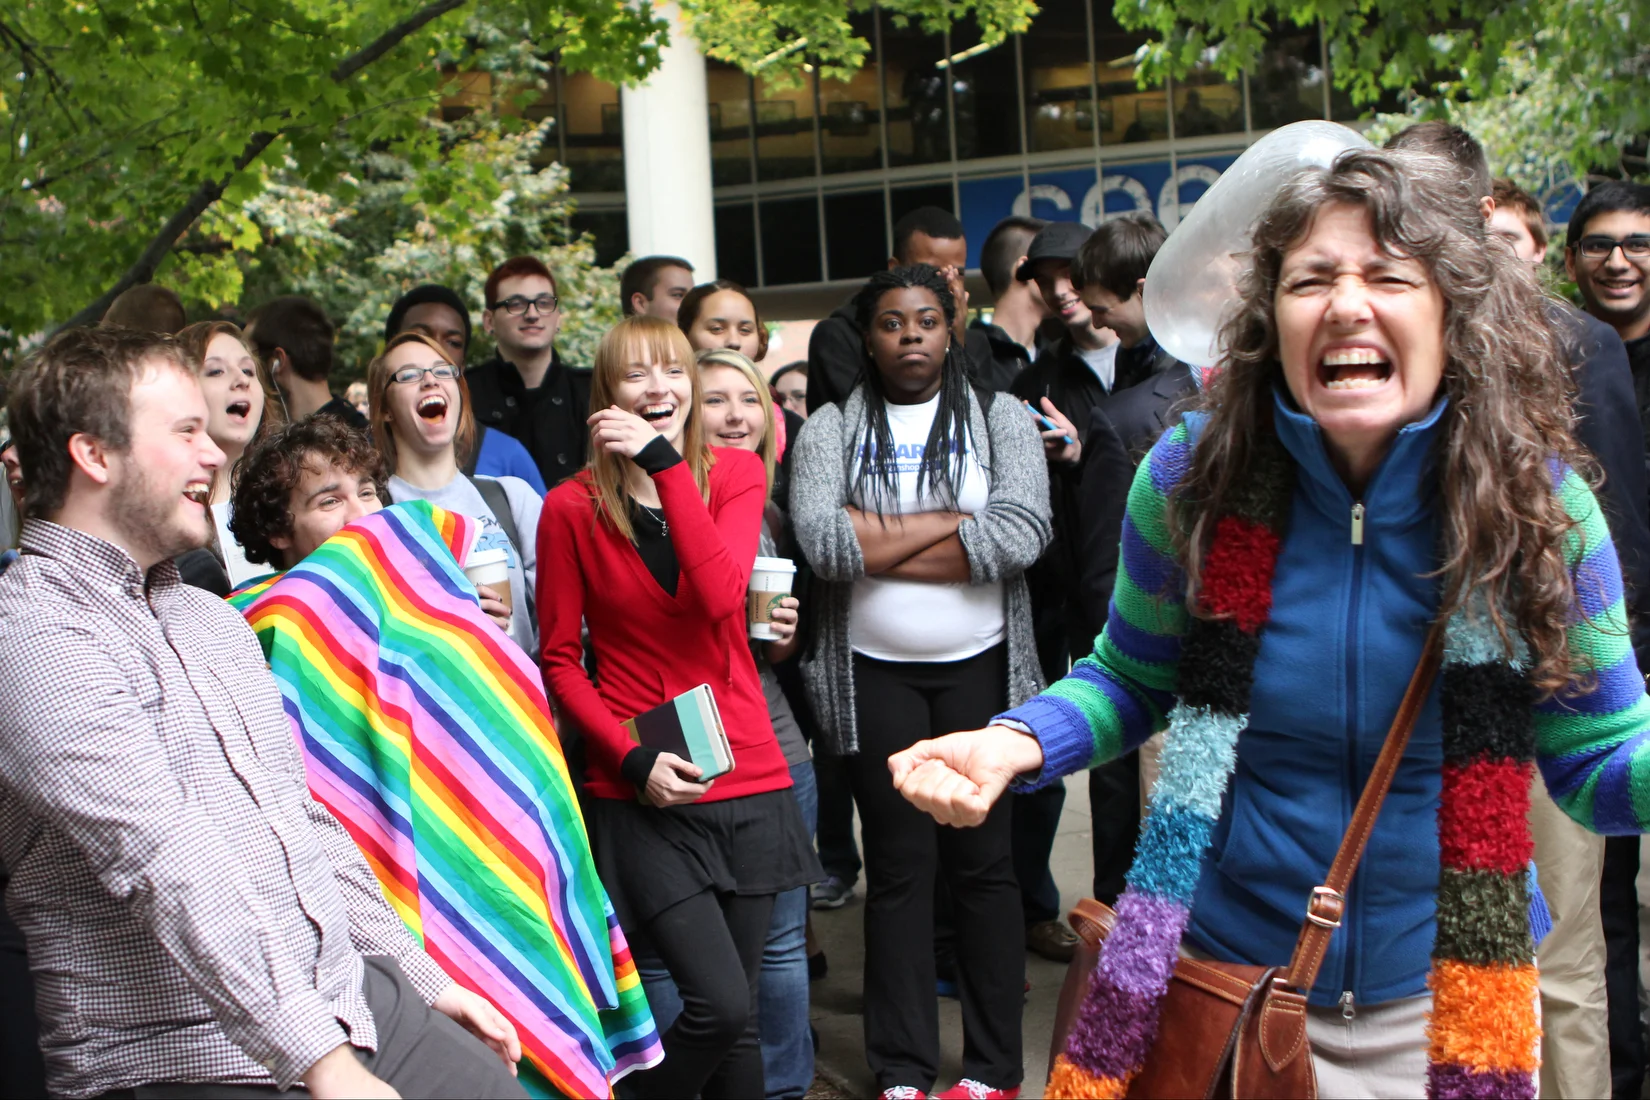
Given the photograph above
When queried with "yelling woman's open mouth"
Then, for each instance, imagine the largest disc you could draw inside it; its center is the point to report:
(653, 414)
(432, 406)
(239, 410)
(1356, 368)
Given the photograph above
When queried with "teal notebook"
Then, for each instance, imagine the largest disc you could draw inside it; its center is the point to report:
(689, 726)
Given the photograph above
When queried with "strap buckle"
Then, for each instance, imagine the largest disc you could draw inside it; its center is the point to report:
(1326, 907)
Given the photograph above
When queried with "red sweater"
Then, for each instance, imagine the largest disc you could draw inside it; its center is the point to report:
(651, 647)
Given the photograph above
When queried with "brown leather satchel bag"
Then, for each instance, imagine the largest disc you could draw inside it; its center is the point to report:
(1233, 1030)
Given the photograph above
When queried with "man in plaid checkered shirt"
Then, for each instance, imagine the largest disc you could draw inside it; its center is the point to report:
(196, 923)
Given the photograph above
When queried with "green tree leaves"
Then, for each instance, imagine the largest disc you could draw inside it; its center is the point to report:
(141, 135)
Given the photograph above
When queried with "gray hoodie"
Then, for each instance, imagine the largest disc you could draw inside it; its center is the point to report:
(1001, 542)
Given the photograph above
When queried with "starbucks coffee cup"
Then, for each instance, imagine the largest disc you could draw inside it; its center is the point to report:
(771, 582)
(491, 567)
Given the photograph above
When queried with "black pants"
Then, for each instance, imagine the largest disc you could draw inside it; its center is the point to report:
(1036, 822)
(898, 704)
(22, 1071)
(838, 853)
(1618, 904)
(420, 1052)
(1114, 814)
(712, 946)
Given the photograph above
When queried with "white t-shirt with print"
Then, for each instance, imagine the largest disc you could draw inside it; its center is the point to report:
(899, 620)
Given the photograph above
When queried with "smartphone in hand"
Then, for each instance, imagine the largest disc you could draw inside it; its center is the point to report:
(1049, 425)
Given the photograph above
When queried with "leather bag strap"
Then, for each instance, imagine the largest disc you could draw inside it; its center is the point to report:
(1328, 902)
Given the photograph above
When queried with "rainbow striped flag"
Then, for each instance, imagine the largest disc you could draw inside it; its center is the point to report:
(426, 731)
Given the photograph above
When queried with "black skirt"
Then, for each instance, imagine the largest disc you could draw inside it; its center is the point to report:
(651, 858)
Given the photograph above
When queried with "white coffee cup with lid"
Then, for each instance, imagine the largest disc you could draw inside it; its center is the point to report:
(771, 582)
(490, 567)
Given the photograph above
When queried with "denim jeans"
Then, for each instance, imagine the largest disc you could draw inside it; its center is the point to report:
(787, 1044)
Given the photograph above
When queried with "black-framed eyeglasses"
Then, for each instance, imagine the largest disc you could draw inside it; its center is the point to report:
(516, 305)
(1596, 246)
(444, 373)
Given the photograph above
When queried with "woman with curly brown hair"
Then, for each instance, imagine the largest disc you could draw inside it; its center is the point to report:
(243, 407)
(1388, 447)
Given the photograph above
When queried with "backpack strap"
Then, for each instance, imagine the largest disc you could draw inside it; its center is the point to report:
(499, 501)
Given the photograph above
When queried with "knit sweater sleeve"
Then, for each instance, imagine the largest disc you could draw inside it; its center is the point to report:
(715, 543)
(1008, 535)
(1593, 747)
(1119, 695)
(819, 496)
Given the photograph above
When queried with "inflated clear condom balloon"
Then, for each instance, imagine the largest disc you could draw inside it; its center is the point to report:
(1194, 277)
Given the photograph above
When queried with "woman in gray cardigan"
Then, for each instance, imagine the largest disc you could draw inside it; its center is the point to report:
(920, 503)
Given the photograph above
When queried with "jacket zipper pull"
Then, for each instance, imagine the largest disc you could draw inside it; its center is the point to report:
(1349, 1011)
(1358, 524)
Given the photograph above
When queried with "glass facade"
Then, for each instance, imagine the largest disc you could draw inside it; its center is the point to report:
(809, 177)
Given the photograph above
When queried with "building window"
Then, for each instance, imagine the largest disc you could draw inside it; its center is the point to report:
(729, 93)
(1287, 84)
(919, 116)
(594, 129)
(850, 111)
(736, 243)
(854, 240)
(1207, 103)
(987, 113)
(1059, 82)
(903, 200)
(790, 241)
(609, 230)
(785, 130)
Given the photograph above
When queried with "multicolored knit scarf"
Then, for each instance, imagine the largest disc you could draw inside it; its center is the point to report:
(1483, 1032)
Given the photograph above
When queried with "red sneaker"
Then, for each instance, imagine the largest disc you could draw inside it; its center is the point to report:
(970, 1089)
(903, 1092)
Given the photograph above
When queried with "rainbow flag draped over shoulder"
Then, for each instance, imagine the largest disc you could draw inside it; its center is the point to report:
(426, 731)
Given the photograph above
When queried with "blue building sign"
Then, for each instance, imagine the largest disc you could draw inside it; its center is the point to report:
(1075, 195)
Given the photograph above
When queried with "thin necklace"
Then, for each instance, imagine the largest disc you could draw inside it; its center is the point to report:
(657, 516)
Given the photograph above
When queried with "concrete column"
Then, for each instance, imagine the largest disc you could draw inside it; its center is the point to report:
(667, 157)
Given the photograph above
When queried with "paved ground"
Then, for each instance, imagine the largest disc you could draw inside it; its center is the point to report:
(836, 999)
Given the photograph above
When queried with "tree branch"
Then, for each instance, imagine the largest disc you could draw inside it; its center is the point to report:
(176, 226)
(387, 41)
(211, 190)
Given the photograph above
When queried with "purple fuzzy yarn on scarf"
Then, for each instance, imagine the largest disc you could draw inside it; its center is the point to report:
(1140, 954)
(1118, 1021)
(1114, 1030)
(1464, 1083)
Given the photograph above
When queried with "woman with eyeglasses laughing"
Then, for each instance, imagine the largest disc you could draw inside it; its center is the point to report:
(419, 406)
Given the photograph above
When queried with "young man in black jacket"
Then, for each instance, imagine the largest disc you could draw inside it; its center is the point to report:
(525, 390)
(1151, 385)
(1068, 376)
(294, 336)
(1017, 309)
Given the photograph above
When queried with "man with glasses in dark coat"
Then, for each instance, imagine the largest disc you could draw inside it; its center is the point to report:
(526, 390)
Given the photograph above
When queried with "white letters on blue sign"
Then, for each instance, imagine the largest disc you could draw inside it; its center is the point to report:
(1041, 192)
(1094, 203)
(1170, 207)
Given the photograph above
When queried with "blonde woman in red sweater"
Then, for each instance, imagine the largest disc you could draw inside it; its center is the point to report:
(651, 546)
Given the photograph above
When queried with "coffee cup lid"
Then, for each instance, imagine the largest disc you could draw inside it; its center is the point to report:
(490, 555)
(776, 565)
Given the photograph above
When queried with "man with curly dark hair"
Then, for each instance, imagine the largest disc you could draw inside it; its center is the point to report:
(300, 486)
